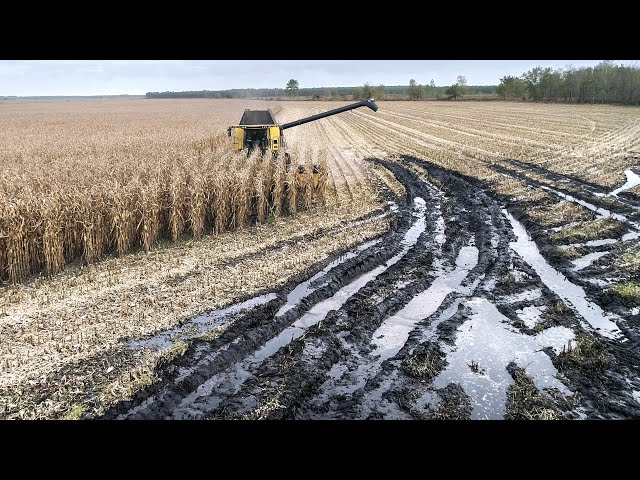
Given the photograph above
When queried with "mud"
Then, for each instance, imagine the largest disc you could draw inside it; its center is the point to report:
(461, 311)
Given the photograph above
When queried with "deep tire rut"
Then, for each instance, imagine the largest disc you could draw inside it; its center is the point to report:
(382, 334)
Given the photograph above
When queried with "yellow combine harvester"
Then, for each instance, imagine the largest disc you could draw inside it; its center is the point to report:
(259, 129)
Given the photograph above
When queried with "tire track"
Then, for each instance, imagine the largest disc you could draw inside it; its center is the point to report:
(404, 328)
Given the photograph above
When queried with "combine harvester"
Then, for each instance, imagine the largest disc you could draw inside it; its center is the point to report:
(259, 129)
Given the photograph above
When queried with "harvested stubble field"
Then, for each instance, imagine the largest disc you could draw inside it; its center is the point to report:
(462, 260)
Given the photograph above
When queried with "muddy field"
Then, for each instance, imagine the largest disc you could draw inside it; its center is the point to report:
(470, 264)
(452, 314)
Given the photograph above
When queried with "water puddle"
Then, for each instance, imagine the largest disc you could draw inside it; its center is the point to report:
(388, 410)
(449, 312)
(426, 401)
(389, 338)
(633, 179)
(630, 236)
(419, 207)
(598, 243)
(307, 287)
(490, 284)
(604, 282)
(394, 332)
(319, 311)
(313, 352)
(531, 315)
(584, 262)
(198, 325)
(184, 372)
(573, 295)
(440, 236)
(527, 295)
(558, 338)
(518, 275)
(137, 408)
(230, 381)
(487, 344)
(602, 212)
(590, 243)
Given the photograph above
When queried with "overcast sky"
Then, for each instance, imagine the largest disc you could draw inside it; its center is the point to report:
(137, 77)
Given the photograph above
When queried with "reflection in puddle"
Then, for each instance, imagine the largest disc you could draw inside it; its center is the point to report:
(230, 381)
(137, 408)
(307, 287)
(320, 310)
(584, 262)
(633, 179)
(440, 236)
(573, 295)
(527, 295)
(602, 212)
(590, 243)
(487, 340)
(558, 338)
(531, 315)
(604, 282)
(394, 332)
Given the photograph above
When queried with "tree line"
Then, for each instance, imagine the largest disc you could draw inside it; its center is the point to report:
(604, 83)
(393, 92)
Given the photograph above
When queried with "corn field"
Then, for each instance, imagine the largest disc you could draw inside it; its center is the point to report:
(82, 180)
(50, 219)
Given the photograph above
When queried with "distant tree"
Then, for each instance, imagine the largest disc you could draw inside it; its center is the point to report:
(431, 89)
(462, 83)
(454, 91)
(604, 70)
(415, 90)
(551, 84)
(571, 84)
(511, 87)
(378, 92)
(292, 86)
(367, 90)
(364, 92)
(533, 79)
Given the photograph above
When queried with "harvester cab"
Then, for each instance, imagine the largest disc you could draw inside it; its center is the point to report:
(259, 129)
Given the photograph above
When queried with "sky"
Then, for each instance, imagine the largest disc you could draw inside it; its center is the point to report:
(137, 77)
